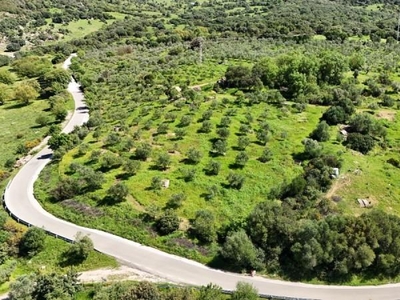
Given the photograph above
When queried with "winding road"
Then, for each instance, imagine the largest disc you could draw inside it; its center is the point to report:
(20, 202)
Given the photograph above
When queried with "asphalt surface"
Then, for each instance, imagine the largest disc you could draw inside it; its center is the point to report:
(21, 203)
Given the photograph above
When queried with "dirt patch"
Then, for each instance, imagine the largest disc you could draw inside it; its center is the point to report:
(87, 210)
(387, 115)
(337, 185)
(118, 274)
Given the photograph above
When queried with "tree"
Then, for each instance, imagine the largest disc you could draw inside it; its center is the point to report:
(194, 156)
(59, 140)
(162, 128)
(240, 251)
(163, 161)
(143, 151)
(220, 147)
(267, 71)
(80, 249)
(42, 120)
(244, 291)
(211, 292)
(6, 77)
(110, 160)
(312, 148)
(235, 180)
(321, 133)
(144, 290)
(223, 133)
(241, 159)
(262, 136)
(54, 81)
(362, 123)
(179, 133)
(213, 167)
(131, 167)
(243, 142)
(25, 93)
(207, 115)
(176, 200)
(331, 67)
(266, 155)
(156, 183)
(32, 242)
(22, 288)
(360, 142)
(185, 121)
(239, 77)
(168, 222)
(67, 188)
(203, 226)
(206, 127)
(118, 192)
(225, 121)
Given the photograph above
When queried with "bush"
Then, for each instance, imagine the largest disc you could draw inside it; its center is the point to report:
(360, 142)
(194, 156)
(32, 242)
(176, 200)
(79, 250)
(143, 151)
(241, 159)
(168, 222)
(235, 180)
(203, 226)
(213, 167)
(118, 192)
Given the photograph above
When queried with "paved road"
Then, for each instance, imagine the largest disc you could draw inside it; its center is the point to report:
(20, 201)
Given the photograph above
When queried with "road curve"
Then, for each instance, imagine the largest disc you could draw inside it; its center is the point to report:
(20, 202)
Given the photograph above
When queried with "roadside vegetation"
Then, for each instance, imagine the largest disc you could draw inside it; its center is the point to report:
(268, 142)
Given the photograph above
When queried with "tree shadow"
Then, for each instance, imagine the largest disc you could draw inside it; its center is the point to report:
(123, 176)
(67, 259)
(17, 105)
(234, 166)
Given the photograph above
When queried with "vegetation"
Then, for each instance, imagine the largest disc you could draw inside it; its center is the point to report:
(219, 137)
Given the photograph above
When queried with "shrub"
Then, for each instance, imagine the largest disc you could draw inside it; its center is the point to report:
(32, 242)
(168, 222)
(194, 156)
(118, 192)
(203, 226)
(235, 180)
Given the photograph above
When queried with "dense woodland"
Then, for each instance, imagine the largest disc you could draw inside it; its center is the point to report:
(241, 106)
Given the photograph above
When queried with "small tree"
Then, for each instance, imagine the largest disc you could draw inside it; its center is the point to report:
(118, 192)
(321, 133)
(235, 180)
(245, 291)
(211, 292)
(266, 155)
(162, 128)
(80, 249)
(25, 93)
(206, 127)
(240, 251)
(203, 226)
(223, 132)
(32, 242)
(176, 200)
(143, 151)
(42, 120)
(220, 147)
(156, 183)
(207, 115)
(168, 222)
(262, 136)
(241, 159)
(185, 121)
(163, 161)
(194, 156)
(213, 167)
(243, 142)
(312, 148)
(180, 133)
(131, 167)
(110, 160)
(225, 121)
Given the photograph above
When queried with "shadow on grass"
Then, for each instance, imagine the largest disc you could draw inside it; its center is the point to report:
(17, 105)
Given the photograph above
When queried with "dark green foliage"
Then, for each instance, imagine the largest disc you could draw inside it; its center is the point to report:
(312, 148)
(210, 292)
(143, 151)
(360, 142)
(168, 222)
(32, 242)
(59, 140)
(131, 167)
(203, 226)
(235, 181)
(321, 133)
(163, 161)
(213, 167)
(206, 127)
(241, 159)
(143, 290)
(239, 77)
(243, 142)
(194, 156)
(176, 200)
(240, 252)
(79, 250)
(156, 183)
(220, 147)
(118, 192)
(223, 133)
(266, 155)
